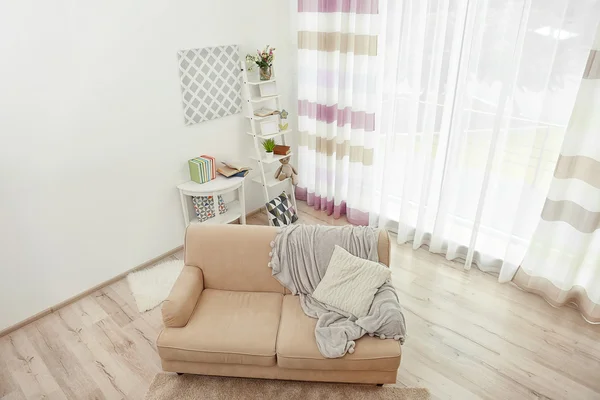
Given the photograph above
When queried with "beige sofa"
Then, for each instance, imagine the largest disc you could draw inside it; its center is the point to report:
(226, 315)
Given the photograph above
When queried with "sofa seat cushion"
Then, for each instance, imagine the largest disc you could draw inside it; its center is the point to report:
(297, 347)
(226, 327)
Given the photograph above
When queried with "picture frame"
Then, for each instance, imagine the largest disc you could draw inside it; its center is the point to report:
(269, 127)
(268, 89)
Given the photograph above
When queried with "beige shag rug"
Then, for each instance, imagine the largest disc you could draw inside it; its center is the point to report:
(184, 387)
(151, 286)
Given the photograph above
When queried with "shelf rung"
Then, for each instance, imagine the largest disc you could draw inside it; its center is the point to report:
(271, 181)
(261, 99)
(270, 136)
(276, 157)
(257, 118)
(260, 82)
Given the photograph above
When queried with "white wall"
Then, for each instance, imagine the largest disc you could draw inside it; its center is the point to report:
(92, 140)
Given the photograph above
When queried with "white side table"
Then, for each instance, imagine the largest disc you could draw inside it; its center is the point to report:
(221, 185)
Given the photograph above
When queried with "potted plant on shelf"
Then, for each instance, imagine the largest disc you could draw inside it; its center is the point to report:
(269, 146)
(264, 60)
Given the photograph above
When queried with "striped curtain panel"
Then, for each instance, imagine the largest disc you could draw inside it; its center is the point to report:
(563, 261)
(337, 54)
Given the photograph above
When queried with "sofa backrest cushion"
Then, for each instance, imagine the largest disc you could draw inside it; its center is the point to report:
(235, 257)
(232, 257)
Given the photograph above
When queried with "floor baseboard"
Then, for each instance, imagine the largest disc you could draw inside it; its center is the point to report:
(257, 211)
(73, 299)
(70, 300)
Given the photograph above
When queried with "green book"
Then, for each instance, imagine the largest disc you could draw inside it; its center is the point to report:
(198, 170)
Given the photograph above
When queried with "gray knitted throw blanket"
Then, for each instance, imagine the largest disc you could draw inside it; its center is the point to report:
(299, 261)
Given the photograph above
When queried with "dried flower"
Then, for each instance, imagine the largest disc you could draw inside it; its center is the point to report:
(263, 59)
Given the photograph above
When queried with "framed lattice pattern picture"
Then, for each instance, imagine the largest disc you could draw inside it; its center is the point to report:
(210, 83)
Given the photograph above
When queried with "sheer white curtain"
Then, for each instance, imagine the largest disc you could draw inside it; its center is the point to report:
(562, 263)
(476, 98)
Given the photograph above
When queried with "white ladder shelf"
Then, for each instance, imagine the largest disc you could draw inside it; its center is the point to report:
(250, 96)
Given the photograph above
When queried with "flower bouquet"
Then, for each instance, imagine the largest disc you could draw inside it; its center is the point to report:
(264, 60)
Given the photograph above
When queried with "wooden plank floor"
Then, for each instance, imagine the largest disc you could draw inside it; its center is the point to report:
(469, 337)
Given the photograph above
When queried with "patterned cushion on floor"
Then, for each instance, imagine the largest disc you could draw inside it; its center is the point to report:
(204, 207)
(281, 211)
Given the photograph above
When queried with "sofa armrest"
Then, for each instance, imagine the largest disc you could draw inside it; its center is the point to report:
(178, 307)
(384, 247)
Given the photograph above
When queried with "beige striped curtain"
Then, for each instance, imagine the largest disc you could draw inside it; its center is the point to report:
(337, 100)
(562, 263)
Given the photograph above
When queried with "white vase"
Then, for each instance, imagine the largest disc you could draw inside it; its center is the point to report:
(269, 156)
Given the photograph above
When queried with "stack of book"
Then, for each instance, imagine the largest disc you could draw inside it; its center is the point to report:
(202, 169)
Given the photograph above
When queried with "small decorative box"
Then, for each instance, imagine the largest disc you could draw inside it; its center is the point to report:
(204, 207)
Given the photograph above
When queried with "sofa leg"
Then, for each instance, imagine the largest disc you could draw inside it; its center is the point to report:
(180, 373)
(380, 384)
